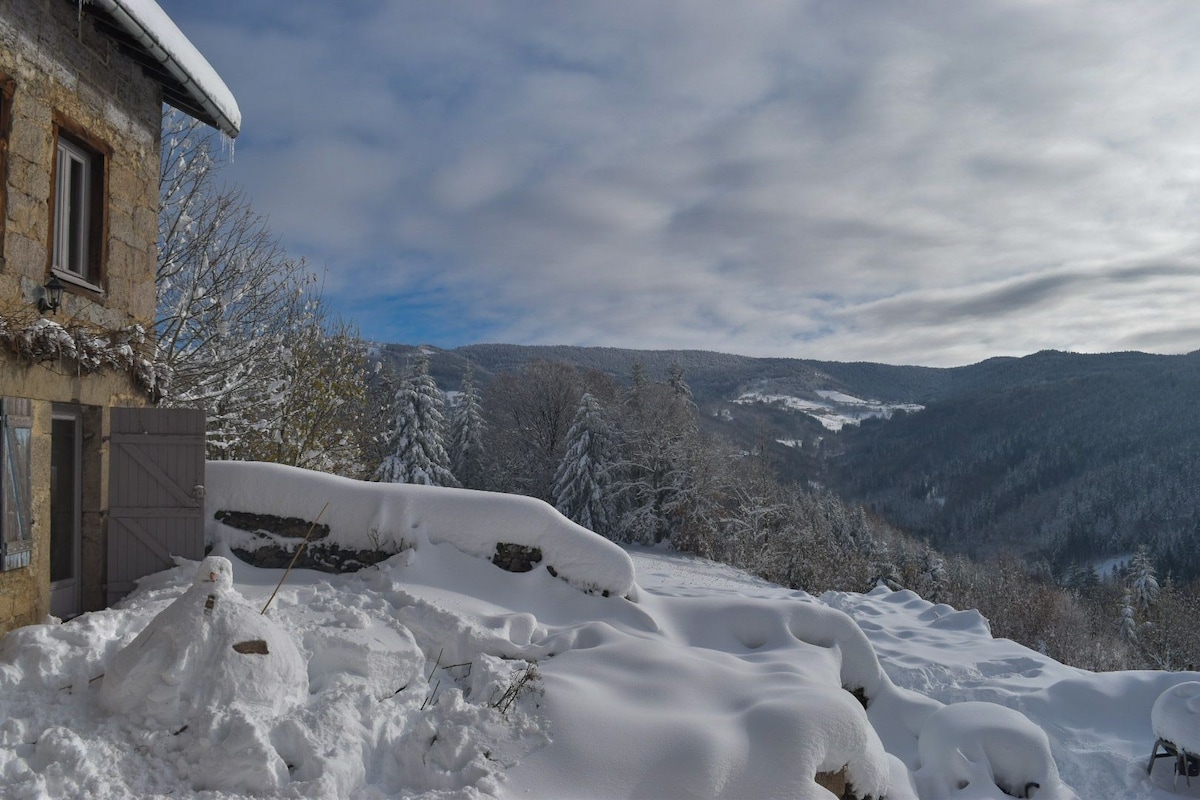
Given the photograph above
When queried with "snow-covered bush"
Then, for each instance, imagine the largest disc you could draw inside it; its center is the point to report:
(984, 750)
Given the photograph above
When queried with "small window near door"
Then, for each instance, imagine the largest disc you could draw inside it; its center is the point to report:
(78, 211)
(16, 428)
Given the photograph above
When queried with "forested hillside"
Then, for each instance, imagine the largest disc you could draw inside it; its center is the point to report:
(1072, 457)
(712, 376)
(1060, 456)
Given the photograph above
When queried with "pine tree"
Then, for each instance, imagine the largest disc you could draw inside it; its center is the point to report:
(418, 453)
(583, 483)
(884, 569)
(466, 435)
(637, 385)
(1128, 624)
(1142, 580)
(933, 575)
(678, 384)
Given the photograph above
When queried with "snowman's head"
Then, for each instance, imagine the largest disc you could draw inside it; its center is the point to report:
(215, 572)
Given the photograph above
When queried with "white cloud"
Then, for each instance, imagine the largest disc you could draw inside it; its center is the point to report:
(930, 183)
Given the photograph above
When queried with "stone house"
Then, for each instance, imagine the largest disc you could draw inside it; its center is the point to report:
(85, 460)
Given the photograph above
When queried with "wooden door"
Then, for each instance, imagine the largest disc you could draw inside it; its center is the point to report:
(156, 492)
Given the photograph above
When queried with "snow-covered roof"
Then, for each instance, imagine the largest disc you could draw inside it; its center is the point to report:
(189, 82)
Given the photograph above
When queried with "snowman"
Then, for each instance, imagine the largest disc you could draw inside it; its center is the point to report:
(206, 652)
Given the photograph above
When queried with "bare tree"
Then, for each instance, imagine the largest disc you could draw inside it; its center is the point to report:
(320, 406)
(228, 294)
(242, 330)
(529, 415)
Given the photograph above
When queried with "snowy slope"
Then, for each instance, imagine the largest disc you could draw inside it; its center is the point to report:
(834, 410)
(437, 674)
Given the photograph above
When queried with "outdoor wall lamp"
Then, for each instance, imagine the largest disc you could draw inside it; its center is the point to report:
(51, 299)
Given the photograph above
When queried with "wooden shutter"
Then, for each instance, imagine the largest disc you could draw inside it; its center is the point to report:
(156, 492)
(16, 431)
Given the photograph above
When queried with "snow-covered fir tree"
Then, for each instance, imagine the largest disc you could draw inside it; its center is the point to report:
(418, 450)
(1127, 619)
(1143, 581)
(678, 382)
(466, 435)
(583, 484)
(637, 384)
(931, 575)
(884, 568)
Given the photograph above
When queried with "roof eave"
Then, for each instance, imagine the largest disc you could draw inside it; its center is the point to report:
(195, 97)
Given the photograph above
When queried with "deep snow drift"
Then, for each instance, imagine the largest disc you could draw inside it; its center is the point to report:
(437, 674)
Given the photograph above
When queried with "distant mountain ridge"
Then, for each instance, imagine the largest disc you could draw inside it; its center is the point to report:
(711, 374)
(1061, 455)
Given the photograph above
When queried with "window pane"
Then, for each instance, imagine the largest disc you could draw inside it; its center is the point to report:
(75, 235)
(72, 209)
(60, 209)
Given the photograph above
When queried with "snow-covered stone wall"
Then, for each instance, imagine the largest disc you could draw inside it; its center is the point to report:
(392, 517)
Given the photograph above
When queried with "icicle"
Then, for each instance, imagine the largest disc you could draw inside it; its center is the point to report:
(227, 145)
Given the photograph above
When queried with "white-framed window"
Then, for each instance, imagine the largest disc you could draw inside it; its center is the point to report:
(75, 211)
(72, 211)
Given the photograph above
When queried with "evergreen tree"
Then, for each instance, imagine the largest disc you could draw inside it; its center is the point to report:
(884, 569)
(466, 435)
(933, 575)
(1142, 580)
(677, 382)
(637, 385)
(418, 452)
(1128, 625)
(375, 435)
(1080, 578)
(583, 483)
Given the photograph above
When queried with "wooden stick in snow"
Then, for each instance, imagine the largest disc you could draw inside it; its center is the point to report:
(299, 550)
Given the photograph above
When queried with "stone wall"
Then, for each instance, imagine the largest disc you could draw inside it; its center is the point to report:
(65, 74)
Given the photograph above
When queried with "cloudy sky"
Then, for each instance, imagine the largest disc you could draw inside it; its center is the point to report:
(907, 182)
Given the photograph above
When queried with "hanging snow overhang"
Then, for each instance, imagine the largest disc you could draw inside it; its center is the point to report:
(189, 83)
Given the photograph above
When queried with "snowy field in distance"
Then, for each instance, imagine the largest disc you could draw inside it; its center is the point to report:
(834, 410)
(704, 682)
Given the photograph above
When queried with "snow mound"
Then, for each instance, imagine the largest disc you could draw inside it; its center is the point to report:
(435, 675)
(984, 750)
(1176, 716)
(364, 515)
(376, 659)
(206, 653)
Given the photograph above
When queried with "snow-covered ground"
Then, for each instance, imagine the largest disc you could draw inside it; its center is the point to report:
(834, 410)
(436, 674)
